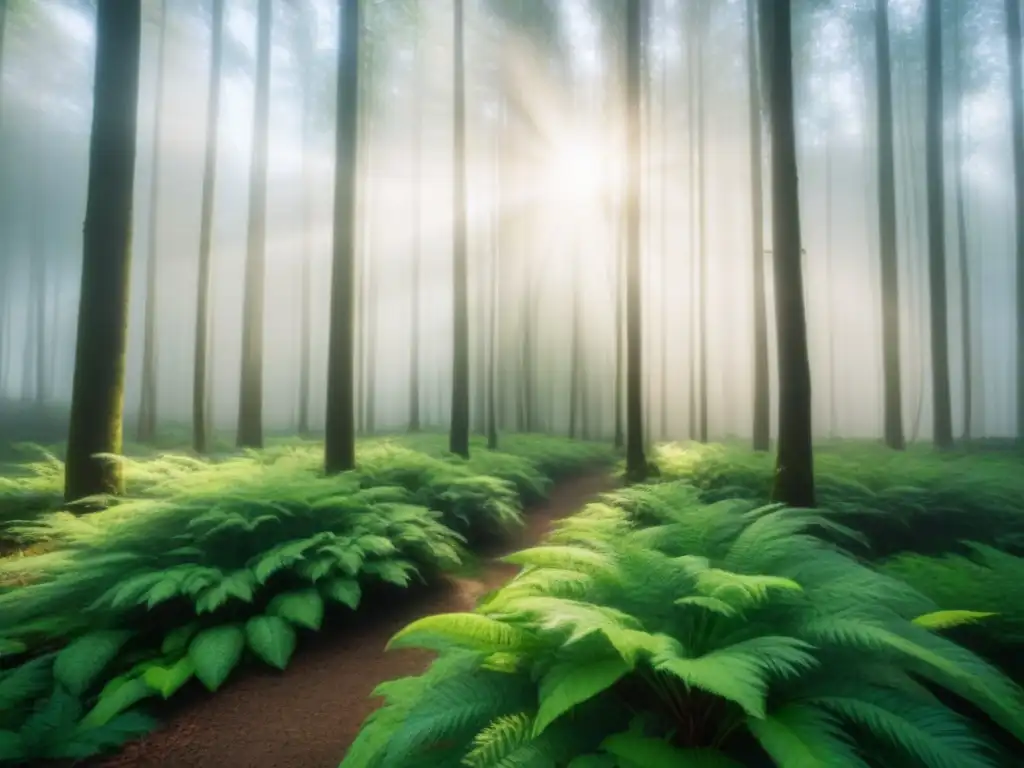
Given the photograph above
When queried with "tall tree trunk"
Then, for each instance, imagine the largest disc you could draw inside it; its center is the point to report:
(200, 433)
(888, 257)
(830, 325)
(794, 477)
(942, 424)
(762, 407)
(459, 436)
(663, 331)
(417, 240)
(146, 431)
(306, 272)
(1013, 47)
(495, 299)
(250, 404)
(620, 337)
(636, 461)
(961, 229)
(340, 438)
(702, 215)
(97, 398)
(4, 266)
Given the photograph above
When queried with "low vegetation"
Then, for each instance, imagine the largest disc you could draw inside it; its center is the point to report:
(213, 563)
(656, 630)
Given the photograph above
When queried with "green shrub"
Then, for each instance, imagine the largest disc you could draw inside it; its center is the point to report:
(655, 631)
(222, 561)
(917, 500)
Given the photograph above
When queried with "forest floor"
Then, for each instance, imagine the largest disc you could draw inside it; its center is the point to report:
(308, 715)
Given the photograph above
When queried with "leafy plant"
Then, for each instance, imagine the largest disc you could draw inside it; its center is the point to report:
(917, 500)
(653, 630)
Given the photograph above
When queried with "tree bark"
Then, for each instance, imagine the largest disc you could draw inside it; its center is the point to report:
(250, 403)
(794, 477)
(200, 434)
(888, 257)
(962, 240)
(762, 407)
(306, 272)
(415, 375)
(340, 442)
(458, 442)
(942, 422)
(98, 387)
(636, 461)
(1013, 46)
(146, 428)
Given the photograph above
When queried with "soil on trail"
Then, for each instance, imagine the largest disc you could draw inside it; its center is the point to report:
(308, 715)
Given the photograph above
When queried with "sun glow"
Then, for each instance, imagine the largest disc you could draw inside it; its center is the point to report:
(578, 171)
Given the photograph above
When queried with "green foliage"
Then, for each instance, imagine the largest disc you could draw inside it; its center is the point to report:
(212, 563)
(655, 630)
(917, 500)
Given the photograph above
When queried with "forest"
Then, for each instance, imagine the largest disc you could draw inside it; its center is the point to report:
(511, 383)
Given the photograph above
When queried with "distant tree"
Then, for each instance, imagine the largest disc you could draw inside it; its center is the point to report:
(97, 399)
(893, 390)
(1013, 46)
(250, 402)
(458, 442)
(794, 476)
(147, 405)
(415, 288)
(636, 461)
(762, 407)
(942, 424)
(340, 443)
(200, 436)
(306, 41)
(700, 32)
(961, 227)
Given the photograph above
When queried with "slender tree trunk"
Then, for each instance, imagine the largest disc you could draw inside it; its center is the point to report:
(636, 462)
(459, 435)
(417, 243)
(1013, 46)
(620, 337)
(663, 331)
(495, 300)
(340, 438)
(306, 272)
(250, 405)
(4, 266)
(830, 325)
(942, 425)
(794, 477)
(762, 407)
(702, 214)
(97, 398)
(200, 433)
(692, 131)
(146, 428)
(888, 256)
(961, 228)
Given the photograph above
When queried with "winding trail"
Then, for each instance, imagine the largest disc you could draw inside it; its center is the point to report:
(308, 715)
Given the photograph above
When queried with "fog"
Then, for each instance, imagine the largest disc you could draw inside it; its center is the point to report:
(547, 207)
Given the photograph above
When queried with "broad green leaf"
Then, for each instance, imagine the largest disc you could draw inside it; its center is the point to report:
(468, 630)
(167, 680)
(239, 585)
(345, 591)
(84, 659)
(272, 639)
(940, 620)
(215, 652)
(304, 608)
(86, 742)
(176, 641)
(115, 700)
(571, 683)
(636, 751)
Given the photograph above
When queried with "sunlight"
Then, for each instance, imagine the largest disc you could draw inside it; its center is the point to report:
(577, 171)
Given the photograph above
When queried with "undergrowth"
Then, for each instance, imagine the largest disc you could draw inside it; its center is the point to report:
(654, 630)
(226, 560)
(917, 500)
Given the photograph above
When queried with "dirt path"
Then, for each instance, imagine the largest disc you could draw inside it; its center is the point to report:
(306, 716)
